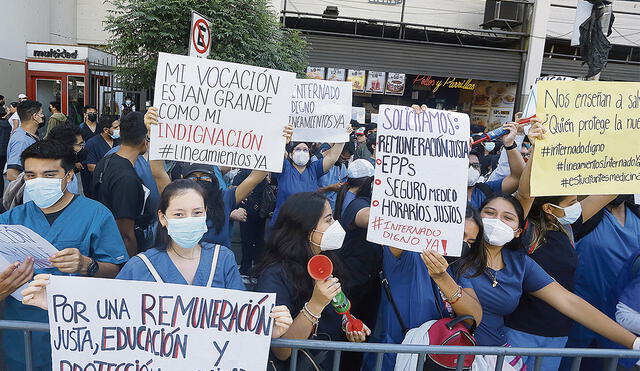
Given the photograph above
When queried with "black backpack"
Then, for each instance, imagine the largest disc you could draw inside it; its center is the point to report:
(595, 220)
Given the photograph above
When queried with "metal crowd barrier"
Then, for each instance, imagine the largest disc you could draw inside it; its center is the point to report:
(612, 355)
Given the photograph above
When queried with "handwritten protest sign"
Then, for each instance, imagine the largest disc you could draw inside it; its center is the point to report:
(18, 242)
(420, 188)
(220, 113)
(100, 324)
(593, 140)
(321, 111)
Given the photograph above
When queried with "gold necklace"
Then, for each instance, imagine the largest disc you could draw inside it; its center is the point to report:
(492, 277)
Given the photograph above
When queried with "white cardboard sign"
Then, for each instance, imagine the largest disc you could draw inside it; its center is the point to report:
(117, 325)
(220, 113)
(420, 189)
(18, 242)
(321, 111)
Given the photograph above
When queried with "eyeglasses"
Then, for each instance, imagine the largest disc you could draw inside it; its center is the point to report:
(147, 138)
(205, 178)
(81, 145)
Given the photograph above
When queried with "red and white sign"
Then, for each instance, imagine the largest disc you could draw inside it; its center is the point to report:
(200, 39)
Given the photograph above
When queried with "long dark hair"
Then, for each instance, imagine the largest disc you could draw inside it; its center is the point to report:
(543, 222)
(289, 243)
(214, 202)
(476, 261)
(364, 190)
(476, 252)
(175, 188)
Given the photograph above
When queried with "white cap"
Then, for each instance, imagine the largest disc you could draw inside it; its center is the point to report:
(22, 96)
(360, 169)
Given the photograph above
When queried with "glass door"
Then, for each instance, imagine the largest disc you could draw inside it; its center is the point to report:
(75, 98)
(48, 90)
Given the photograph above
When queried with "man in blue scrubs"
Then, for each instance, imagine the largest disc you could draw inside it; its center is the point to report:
(82, 229)
(30, 113)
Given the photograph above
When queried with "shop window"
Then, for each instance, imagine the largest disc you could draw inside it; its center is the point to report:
(75, 95)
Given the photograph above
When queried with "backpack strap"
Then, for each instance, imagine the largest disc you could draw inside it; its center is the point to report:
(387, 291)
(214, 264)
(150, 267)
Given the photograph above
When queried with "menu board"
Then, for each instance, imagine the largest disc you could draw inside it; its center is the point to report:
(316, 73)
(376, 82)
(357, 79)
(493, 104)
(336, 74)
(395, 83)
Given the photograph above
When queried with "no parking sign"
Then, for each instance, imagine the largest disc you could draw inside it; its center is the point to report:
(200, 36)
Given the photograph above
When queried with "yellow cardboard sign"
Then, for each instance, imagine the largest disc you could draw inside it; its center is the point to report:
(592, 144)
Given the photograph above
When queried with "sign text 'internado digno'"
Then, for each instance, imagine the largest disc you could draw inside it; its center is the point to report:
(220, 113)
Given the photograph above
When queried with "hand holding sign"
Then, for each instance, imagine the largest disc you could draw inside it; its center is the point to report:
(36, 293)
(14, 276)
(283, 320)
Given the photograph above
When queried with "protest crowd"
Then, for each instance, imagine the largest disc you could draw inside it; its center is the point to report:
(535, 272)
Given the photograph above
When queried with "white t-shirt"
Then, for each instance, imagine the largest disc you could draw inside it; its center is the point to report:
(15, 117)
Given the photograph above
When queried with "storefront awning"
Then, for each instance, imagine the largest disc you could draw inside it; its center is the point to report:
(413, 58)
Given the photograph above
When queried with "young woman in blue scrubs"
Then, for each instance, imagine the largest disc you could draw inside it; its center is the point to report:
(299, 174)
(305, 228)
(500, 272)
(548, 239)
(178, 257)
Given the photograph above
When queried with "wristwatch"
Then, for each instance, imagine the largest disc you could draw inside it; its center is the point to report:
(93, 268)
(513, 146)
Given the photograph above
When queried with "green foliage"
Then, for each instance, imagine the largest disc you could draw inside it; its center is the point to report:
(243, 31)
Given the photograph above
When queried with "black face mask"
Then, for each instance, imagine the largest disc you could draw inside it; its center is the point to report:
(92, 117)
(81, 156)
(620, 199)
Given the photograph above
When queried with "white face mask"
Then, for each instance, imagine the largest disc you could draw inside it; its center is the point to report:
(474, 176)
(44, 192)
(496, 232)
(332, 237)
(300, 158)
(571, 213)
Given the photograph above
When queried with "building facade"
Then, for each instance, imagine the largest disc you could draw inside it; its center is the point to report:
(478, 57)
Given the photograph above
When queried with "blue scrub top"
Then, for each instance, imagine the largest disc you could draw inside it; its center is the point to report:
(220, 178)
(143, 169)
(336, 174)
(348, 197)
(96, 148)
(599, 262)
(18, 142)
(412, 290)
(520, 273)
(224, 236)
(95, 234)
(227, 275)
(291, 181)
(478, 197)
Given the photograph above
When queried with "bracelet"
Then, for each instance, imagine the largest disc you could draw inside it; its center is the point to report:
(309, 318)
(454, 299)
(513, 146)
(306, 308)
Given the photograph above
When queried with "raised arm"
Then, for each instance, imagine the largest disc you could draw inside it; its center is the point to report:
(160, 175)
(516, 162)
(249, 184)
(331, 156)
(536, 132)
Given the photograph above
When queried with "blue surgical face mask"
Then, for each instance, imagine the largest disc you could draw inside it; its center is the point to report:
(571, 213)
(116, 134)
(187, 232)
(44, 192)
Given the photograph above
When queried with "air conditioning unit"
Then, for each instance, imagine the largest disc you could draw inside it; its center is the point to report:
(503, 14)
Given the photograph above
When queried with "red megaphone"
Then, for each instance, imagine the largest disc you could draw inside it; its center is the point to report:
(320, 267)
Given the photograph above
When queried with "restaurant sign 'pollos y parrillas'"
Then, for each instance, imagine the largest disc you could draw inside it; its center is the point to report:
(437, 83)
